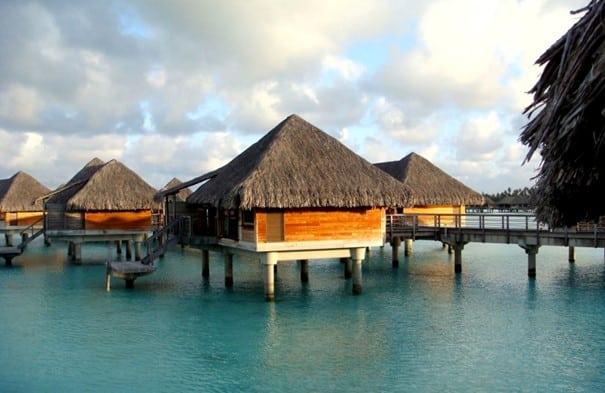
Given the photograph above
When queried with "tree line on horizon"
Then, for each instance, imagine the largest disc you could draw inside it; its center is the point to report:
(522, 192)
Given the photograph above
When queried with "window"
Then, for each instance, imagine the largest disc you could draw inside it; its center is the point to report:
(248, 218)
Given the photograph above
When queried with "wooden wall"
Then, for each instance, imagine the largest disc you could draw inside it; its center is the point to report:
(429, 220)
(321, 224)
(128, 220)
(22, 218)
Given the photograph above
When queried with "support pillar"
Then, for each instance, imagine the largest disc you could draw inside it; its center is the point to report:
(119, 247)
(458, 247)
(9, 239)
(24, 237)
(129, 249)
(571, 254)
(395, 243)
(228, 269)
(357, 254)
(129, 283)
(8, 260)
(77, 253)
(108, 278)
(137, 250)
(47, 241)
(304, 270)
(407, 249)
(531, 250)
(205, 263)
(270, 260)
(348, 267)
(70, 250)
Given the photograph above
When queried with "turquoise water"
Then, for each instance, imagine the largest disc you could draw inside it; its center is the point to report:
(418, 328)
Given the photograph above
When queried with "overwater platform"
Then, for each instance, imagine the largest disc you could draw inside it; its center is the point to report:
(129, 271)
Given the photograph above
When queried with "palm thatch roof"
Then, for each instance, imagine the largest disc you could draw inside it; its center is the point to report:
(18, 193)
(107, 186)
(430, 186)
(181, 195)
(568, 124)
(296, 165)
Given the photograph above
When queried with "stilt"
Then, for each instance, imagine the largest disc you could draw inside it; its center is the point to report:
(24, 237)
(357, 254)
(395, 243)
(449, 249)
(531, 250)
(129, 283)
(458, 247)
(137, 250)
(129, 249)
(270, 260)
(47, 241)
(119, 247)
(407, 249)
(70, 250)
(205, 263)
(77, 256)
(9, 239)
(228, 269)
(304, 270)
(571, 254)
(108, 278)
(348, 267)
(8, 261)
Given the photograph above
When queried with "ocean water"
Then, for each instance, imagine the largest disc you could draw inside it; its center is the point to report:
(417, 328)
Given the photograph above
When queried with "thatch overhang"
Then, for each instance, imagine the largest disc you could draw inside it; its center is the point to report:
(19, 193)
(107, 186)
(430, 186)
(296, 165)
(567, 123)
(180, 195)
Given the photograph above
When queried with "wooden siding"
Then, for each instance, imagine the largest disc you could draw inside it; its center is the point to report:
(429, 220)
(140, 219)
(323, 224)
(22, 218)
(58, 219)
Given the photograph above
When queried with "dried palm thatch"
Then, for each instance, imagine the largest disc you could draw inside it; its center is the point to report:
(181, 195)
(296, 165)
(430, 186)
(18, 193)
(568, 124)
(107, 186)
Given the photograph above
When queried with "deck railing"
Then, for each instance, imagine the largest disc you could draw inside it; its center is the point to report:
(412, 224)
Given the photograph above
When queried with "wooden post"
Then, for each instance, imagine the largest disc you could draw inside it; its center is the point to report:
(119, 247)
(129, 249)
(8, 260)
(137, 250)
(571, 254)
(395, 243)
(9, 239)
(304, 270)
(129, 283)
(108, 277)
(531, 250)
(205, 263)
(348, 267)
(270, 260)
(407, 249)
(228, 269)
(357, 254)
(77, 256)
(458, 247)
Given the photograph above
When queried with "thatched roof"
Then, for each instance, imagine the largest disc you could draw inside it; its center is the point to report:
(181, 195)
(297, 165)
(18, 193)
(568, 124)
(430, 185)
(107, 186)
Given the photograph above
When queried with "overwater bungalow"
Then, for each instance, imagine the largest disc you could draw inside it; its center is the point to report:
(296, 194)
(17, 200)
(433, 191)
(175, 204)
(103, 201)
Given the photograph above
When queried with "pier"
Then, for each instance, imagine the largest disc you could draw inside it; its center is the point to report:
(27, 234)
(457, 230)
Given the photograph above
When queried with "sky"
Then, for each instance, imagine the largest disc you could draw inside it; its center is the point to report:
(177, 88)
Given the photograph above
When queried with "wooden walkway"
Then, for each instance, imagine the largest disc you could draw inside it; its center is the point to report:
(456, 230)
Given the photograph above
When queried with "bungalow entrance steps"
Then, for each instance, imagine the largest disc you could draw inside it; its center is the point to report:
(27, 235)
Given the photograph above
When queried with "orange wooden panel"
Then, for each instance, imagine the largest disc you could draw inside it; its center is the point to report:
(140, 219)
